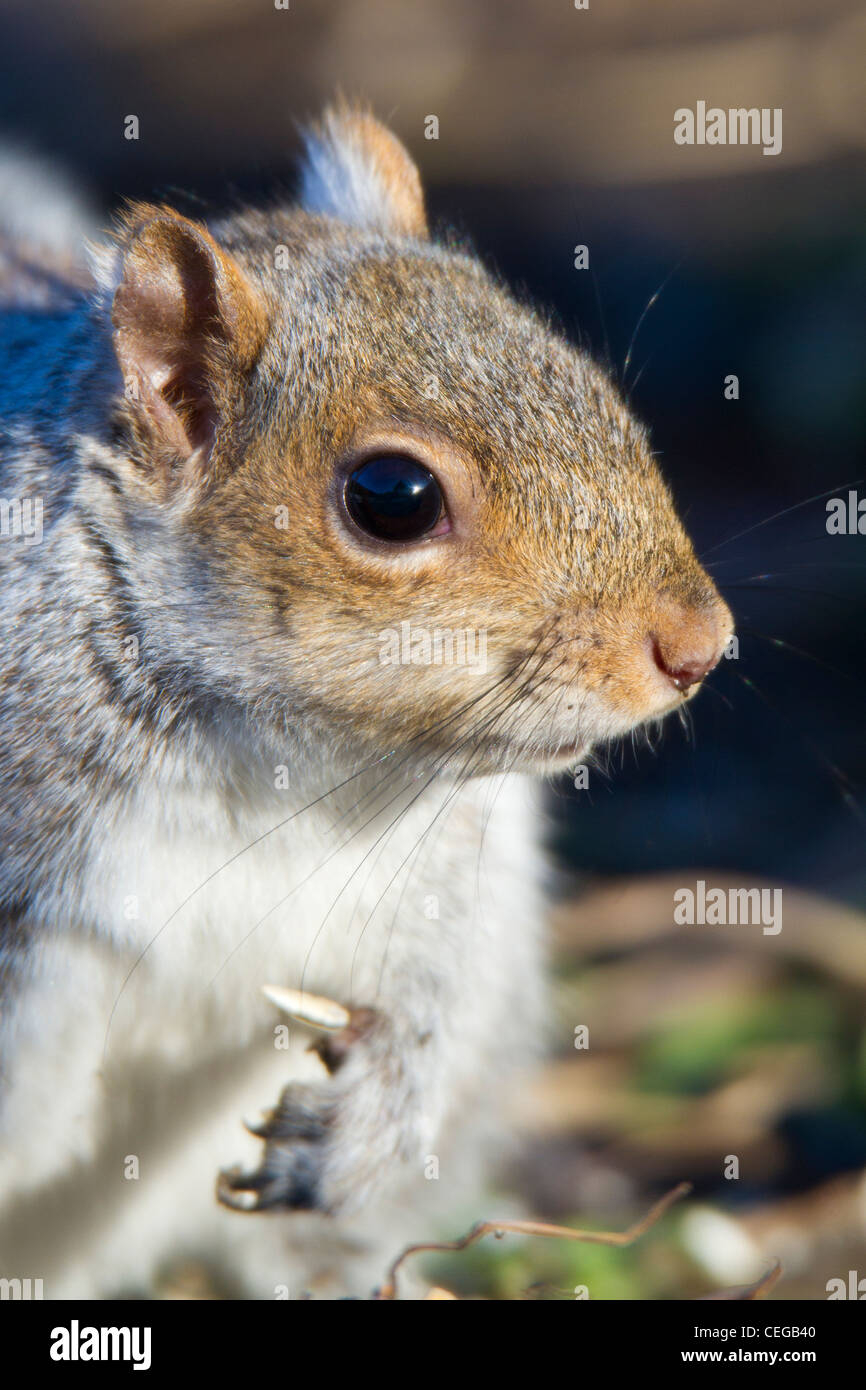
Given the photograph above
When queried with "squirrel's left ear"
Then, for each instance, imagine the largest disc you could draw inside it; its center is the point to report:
(187, 328)
(357, 171)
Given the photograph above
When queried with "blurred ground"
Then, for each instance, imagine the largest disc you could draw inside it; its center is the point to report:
(721, 1056)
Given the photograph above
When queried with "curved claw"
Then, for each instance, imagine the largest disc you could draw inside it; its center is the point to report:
(312, 1009)
(264, 1127)
(232, 1192)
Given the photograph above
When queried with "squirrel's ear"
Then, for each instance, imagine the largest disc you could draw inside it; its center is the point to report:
(357, 171)
(187, 327)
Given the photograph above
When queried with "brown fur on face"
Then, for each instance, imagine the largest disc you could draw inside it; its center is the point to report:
(564, 550)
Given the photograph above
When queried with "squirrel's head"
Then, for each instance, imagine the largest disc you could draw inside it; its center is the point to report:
(384, 504)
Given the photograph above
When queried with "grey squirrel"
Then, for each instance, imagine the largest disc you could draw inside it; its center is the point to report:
(256, 450)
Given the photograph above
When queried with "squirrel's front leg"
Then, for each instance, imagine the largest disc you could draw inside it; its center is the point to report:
(425, 1072)
(329, 1146)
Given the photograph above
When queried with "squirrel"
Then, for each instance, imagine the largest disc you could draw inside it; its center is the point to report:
(257, 449)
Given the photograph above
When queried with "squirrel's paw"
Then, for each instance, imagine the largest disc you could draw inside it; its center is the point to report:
(329, 1144)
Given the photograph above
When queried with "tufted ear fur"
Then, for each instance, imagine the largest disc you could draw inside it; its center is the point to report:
(357, 171)
(187, 327)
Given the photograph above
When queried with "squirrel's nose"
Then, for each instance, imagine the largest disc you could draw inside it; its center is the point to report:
(683, 669)
(687, 642)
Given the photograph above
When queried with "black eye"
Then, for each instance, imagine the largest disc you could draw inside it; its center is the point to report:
(393, 498)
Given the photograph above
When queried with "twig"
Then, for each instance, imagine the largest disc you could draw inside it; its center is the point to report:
(748, 1292)
(536, 1228)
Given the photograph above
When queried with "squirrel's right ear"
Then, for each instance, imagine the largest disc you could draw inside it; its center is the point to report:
(357, 171)
(187, 326)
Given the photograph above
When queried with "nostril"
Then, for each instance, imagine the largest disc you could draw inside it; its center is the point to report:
(686, 639)
(683, 669)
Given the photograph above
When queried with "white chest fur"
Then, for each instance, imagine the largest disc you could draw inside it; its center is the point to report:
(147, 1034)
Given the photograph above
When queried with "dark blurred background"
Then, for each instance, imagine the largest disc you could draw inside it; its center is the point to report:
(556, 129)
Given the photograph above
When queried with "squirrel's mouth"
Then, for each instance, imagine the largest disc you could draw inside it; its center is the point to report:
(566, 754)
(559, 758)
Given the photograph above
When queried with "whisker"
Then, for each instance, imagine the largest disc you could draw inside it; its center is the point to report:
(840, 779)
(423, 734)
(647, 307)
(785, 511)
(793, 589)
(215, 874)
(798, 651)
(460, 780)
(437, 768)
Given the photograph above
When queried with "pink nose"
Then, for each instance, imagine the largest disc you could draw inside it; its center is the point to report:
(688, 642)
(684, 669)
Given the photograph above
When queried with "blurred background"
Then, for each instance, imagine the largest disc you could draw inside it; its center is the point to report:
(556, 130)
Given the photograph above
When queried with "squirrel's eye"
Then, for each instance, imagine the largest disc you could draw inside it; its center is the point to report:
(393, 498)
